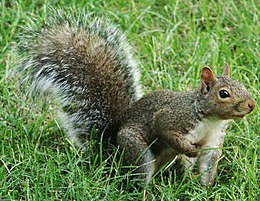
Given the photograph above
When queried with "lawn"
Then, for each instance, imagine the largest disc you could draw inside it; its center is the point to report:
(171, 40)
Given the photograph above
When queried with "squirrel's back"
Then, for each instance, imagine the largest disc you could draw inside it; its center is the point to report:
(88, 67)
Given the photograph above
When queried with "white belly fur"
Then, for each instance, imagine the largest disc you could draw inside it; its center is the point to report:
(209, 133)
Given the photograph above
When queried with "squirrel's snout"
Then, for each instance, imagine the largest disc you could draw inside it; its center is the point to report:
(251, 104)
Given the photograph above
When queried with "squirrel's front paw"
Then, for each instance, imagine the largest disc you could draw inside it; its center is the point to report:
(193, 152)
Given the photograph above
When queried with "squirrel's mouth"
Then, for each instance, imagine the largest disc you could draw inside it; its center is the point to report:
(242, 106)
(241, 116)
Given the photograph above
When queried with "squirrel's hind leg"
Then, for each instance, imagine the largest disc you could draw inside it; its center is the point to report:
(137, 152)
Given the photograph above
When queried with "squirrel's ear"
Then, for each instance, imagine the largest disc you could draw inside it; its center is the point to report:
(226, 70)
(207, 79)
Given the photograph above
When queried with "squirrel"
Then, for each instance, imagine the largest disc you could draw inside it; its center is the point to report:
(88, 66)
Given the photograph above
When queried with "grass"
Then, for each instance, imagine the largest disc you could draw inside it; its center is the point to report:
(172, 40)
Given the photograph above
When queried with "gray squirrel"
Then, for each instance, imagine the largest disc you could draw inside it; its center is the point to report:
(87, 66)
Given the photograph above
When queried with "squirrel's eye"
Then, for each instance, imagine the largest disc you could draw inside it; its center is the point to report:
(223, 93)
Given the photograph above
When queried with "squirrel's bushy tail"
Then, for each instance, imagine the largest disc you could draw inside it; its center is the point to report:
(87, 66)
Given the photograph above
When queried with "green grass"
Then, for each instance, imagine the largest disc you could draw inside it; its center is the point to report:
(172, 40)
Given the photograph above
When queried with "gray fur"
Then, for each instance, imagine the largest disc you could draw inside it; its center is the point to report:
(170, 124)
(88, 67)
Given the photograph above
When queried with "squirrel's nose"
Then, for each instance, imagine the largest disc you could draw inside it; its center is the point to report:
(251, 104)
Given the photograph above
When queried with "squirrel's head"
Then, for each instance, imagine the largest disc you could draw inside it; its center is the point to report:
(226, 98)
